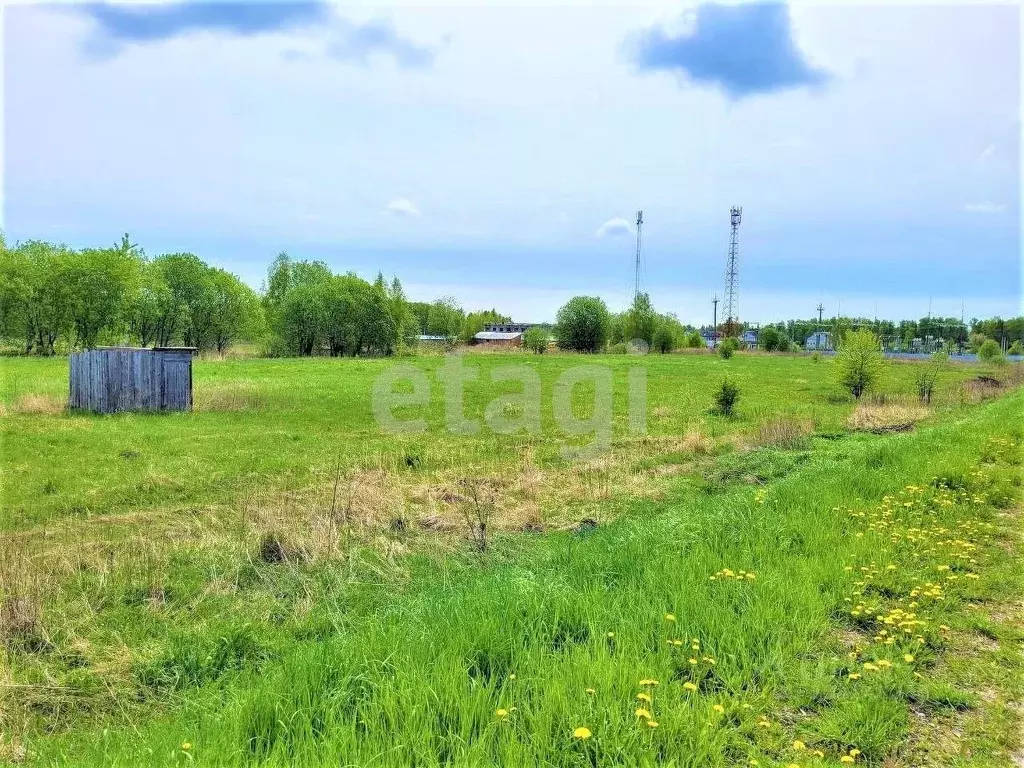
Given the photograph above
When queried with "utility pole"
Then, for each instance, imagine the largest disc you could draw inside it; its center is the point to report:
(639, 241)
(714, 324)
(820, 309)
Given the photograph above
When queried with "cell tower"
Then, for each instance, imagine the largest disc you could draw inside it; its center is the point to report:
(732, 272)
(639, 241)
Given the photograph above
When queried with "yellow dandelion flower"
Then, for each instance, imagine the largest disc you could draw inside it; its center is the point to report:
(512, 676)
(186, 745)
(652, 723)
(908, 657)
(591, 691)
(641, 712)
(501, 712)
(693, 661)
(644, 697)
(871, 667)
(582, 733)
(763, 723)
(648, 681)
(854, 752)
(855, 675)
(611, 634)
(845, 759)
(818, 753)
(670, 617)
(719, 708)
(798, 745)
(677, 642)
(689, 686)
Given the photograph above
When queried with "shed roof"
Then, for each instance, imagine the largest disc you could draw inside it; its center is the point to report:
(497, 336)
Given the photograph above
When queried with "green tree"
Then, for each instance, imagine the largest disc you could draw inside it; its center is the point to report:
(237, 312)
(582, 324)
(989, 351)
(445, 318)
(98, 283)
(302, 319)
(640, 321)
(771, 339)
(536, 340)
(694, 340)
(1016, 348)
(663, 340)
(859, 362)
(149, 307)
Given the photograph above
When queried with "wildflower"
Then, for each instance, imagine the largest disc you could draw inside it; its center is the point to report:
(641, 712)
(611, 634)
(677, 642)
(652, 723)
(763, 722)
(854, 752)
(512, 676)
(871, 667)
(187, 745)
(648, 681)
(582, 733)
(752, 761)
(670, 617)
(501, 712)
(689, 686)
(845, 759)
(591, 691)
(818, 753)
(798, 745)
(855, 675)
(644, 697)
(709, 660)
(908, 657)
(719, 708)
(693, 661)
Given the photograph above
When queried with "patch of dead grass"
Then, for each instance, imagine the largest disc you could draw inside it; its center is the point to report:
(32, 404)
(886, 417)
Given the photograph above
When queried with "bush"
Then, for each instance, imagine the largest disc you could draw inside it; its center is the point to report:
(928, 374)
(989, 352)
(726, 347)
(663, 341)
(859, 361)
(726, 397)
(583, 324)
(976, 340)
(695, 341)
(1016, 349)
(535, 340)
(773, 340)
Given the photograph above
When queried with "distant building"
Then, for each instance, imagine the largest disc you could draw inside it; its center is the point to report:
(819, 340)
(426, 338)
(502, 334)
(749, 337)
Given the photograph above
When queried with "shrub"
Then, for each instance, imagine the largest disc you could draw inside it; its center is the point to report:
(989, 352)
(662, 340)
(726, 397)
(976, 340)
(583, 324)
(928, 374)
(859, 362)
(727, 346)
(694, 340)
(773, 340)
(535, 340)
(1016, 349)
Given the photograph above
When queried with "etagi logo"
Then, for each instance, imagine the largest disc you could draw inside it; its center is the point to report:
(517, 412)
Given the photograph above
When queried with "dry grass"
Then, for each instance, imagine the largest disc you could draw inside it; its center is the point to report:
(886, 417)
(786, 433)
(48, 405)
(237, 396)
(661, 412)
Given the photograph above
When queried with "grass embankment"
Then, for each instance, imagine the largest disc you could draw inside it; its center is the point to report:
(865, 606)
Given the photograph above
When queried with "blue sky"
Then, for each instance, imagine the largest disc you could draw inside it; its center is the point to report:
(499, 154)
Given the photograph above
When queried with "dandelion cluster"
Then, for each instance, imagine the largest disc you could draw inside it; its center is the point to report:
(726, 573)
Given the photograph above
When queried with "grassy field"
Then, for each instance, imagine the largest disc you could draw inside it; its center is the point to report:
(270, 580)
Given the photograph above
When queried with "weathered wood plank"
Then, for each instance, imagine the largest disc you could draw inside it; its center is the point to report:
(120, 379)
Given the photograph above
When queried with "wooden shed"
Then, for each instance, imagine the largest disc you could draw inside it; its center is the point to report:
(112, 379)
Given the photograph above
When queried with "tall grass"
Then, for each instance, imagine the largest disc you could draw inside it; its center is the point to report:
(742, 604)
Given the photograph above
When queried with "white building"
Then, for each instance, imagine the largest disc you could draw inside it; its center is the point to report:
(819, 340)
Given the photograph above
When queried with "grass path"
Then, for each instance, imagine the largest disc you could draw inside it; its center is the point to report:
(863, 608)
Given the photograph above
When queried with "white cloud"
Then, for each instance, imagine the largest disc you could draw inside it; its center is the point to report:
(615, 228)
(987, 207)
(402, 207)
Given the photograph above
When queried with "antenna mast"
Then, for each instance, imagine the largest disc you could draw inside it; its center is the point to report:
(639, 241)
(732, 272)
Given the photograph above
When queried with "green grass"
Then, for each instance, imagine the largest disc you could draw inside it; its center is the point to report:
(399, 647)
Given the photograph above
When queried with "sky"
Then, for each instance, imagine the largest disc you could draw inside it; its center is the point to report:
(499, 153)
